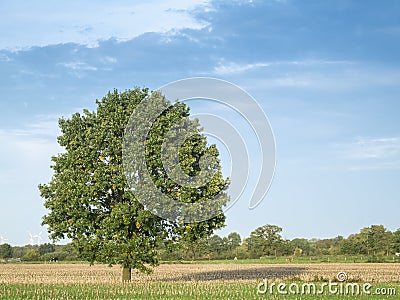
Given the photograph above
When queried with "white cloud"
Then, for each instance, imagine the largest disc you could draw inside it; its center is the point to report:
(393, 165)
(25, 152)
(43, 126)
(109, 60)
(316, 75)
(79, 66)
(290, 80)
(4, 57)
(374, 148)
(234, 68)
(366, 153)
(224, 68)
(45, 22)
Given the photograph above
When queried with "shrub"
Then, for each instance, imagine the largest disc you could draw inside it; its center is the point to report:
(31, 255)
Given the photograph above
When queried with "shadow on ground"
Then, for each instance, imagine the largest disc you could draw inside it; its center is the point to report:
(240, 274)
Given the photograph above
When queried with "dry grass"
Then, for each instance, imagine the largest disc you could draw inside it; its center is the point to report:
(101, 274)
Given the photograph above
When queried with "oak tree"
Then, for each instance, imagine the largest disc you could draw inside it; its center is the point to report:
(90, 201)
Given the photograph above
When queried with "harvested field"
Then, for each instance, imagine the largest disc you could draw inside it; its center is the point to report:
(192, 281)
(83, 273)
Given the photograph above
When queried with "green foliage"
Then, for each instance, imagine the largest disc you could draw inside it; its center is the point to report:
(303, 244)
(216, 244)
(396, 241)
(5, 251)
(224, 250)
(62, 253)
(376, 238)
(49, 256)
(46, 248)
(265, 240)
(240, 252)
(297, 252)
(31, 255)
(88, 197)
(19, 251)
(354, 245)
(234, 240)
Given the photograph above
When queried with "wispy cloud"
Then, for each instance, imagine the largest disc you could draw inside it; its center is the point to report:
(79, 66)
(109, 60)
(374, 148)
(235, 68)
(80, 69)
(224, 68)
(27, 149)
(321, 75)
(392, 165)
(4, 57)
(42, 127)
(366, 153)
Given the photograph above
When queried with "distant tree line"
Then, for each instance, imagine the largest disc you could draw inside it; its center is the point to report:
(44, 252)
(265, 241)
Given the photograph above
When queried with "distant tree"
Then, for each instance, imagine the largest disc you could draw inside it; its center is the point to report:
(285, 248)
(377, 239)
(396, 241)
(5, 251)
(46, 248)
(298, 252)
(19, 251)
(234, 240)
(215, 244)
(31, 255)
(255, 246)
(323, 246)
(66, 252)
(225, 243)
(355, 244)
(48, 256)
(336, 244)
(303, 244)
(337, 241)
(265, 240)
(194, 244)
(241, 252)
(89, 199)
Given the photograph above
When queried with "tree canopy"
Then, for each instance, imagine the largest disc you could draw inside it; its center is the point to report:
(5, 251)
(265, 240)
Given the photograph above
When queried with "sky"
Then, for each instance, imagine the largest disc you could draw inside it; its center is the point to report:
(326, 74)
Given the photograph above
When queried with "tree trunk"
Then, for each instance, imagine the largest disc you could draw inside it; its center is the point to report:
(126, 274)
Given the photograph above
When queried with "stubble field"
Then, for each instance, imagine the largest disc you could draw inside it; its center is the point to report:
(194, 281)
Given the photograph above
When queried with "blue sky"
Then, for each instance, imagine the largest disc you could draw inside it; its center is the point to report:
(326, 73)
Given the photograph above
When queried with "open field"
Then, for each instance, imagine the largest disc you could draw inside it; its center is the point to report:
(184, 281)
